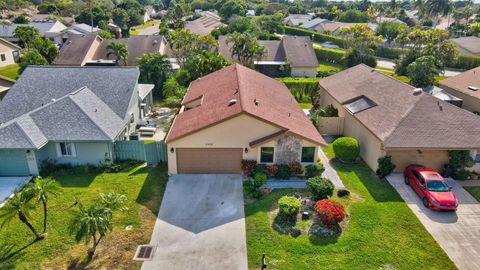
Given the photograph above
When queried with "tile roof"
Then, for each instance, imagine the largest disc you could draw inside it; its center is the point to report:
(469, 44)
(332, 26)
(208, 22)
(462, 81)
(402, 119)
(314, 22)
(75, 49)
(256, 94)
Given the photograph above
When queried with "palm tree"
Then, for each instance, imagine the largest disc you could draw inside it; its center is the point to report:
(18, 206)
(41, 189)
(246, 48)
(118, 50)
(438, 8)
(91, 224)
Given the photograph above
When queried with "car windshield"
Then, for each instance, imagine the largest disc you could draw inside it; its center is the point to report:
(437, 186)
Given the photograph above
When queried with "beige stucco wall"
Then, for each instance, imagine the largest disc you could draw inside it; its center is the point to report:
(330, 125)
(310, 72)
(8, 52)
(326, 99)
(237, 132)
(433, 159)
(469, 103)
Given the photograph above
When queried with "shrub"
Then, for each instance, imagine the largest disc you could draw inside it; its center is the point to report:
(390, 53)
(346, 149)
(343, 193)
(289, 205)
(295, 168)
(458, 161)
(313, 170)
(303, 89)
(385, 166)
(248, 167)
(316, 36)
(466, 61)
(272, 170)
(325, 73)
(330, 212)
(319, 187)
(260, 179)
(330, 55)
(261, 168)
(282, 172)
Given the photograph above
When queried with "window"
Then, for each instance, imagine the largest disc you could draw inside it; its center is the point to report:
(66, 149)
(266, 154)
(3, 57)
(359, 104)
(308, 154)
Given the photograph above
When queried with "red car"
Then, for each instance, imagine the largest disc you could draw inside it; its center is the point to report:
(431, 187)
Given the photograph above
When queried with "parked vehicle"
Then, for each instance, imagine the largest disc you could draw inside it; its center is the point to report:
(431, 187)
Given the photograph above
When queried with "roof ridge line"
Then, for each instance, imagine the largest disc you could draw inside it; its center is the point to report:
(25, 133)
(240, 96)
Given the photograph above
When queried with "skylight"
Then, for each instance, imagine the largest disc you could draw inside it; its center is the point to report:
(359, 104)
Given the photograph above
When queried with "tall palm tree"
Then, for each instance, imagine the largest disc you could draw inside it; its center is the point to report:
(18, 206)
(438, 8)
(118, 50)
(41, 189)
(246, 48)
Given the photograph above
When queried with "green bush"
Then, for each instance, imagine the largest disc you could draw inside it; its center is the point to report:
(283, 172)
(346, 149)
(385, 166)
(330, 55)
(319, 187)
(260, 179)
(313, 170)
(459, 160)
(466, 61)
(261, 168)
(390, 53)
(303, 89)
(316, 36)
(289, 205)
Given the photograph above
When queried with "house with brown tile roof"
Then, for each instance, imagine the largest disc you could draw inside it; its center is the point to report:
(389, 117)
(468, 45)
(91, 49)
(208, 22)
(295, 51)
(465, 86)
(237, 113)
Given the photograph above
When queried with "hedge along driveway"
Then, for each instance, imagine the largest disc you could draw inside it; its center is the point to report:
(382, 232)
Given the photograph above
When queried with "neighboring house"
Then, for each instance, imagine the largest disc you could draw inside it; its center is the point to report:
(310, 25)
(149, 13)
(389, 19)
(237, 114)
(392, 118)
(297, 19)
(468, 45)
(443, 95)
(50, 30)
(467, 87)
(91, 49)
(50, 18)
(9, 53)
(208, 22)
(295, 51)
(332, 28)
(67, 115)
(5, 85)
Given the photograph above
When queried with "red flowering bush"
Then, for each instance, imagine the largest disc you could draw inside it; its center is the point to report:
(295, 168)
(330, 212)
(248, 167)
(272, 170)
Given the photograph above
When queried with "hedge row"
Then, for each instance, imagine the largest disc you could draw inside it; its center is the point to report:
(329, 55)
(467, 61)
(390, 53)
(303, 89)
(316, 36)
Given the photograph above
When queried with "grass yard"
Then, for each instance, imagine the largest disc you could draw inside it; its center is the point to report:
(134, 29)
(327, 66)
(143, 186)
(474, 191)
(382, 232)
(404, 79)
(10, 71)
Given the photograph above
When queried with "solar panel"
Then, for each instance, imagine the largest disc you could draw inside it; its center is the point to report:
(360, 104)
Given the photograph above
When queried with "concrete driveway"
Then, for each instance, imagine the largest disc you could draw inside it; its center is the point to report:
(201, 224)
(458, 233)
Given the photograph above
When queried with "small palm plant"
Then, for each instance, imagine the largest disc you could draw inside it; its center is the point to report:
(118, 50)
(18, 206)
(41, 189)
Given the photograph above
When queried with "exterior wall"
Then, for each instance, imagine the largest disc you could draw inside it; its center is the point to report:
(8, 52)
(326, 99)
(13, 162)
(433, 159)
(86, 153)
(331, 125)
(310, 72)
(91, 51)
(469, 103)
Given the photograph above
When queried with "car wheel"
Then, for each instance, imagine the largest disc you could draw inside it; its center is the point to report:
(425, 202)
(407, 181)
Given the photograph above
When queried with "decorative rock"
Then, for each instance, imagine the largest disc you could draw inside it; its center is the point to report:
(295, 232)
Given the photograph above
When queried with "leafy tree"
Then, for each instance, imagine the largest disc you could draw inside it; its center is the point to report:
(40, 189)
(119, 51)
(105, 34)
(271, 23)
(390, 30)
(353, 16)
(474, 29)
(21, 19)
(26, 35)
(134, 10)
(205, 63)
(47, 49)
(422, 72)
(32, 57)
(47, 8)
(154, 68)
(361, 43)
(246, 48)
(186, 44)
(233, 7)
(18, 206)
(438, 8)
(121, 18)
(98, 15)
(172, 88)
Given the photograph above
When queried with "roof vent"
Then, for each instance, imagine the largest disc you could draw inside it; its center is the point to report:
(53, 100)
(417, 91)
(155, 41)
(473, 88)
(96, 110)
(232, 102)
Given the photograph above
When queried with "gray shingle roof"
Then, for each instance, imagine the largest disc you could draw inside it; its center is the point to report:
(13, 137)
(43, 27)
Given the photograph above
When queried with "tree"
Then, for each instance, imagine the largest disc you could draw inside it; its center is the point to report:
(246, 48)
(372, 13)
(121, 18)
(390, 30)
(474, 29)
(32, 57)
(205, 63)
(21, 19)
(422, 72)
(47, 49)
(154, 68)
(18, 206)
(26, 35)
(40, 189)
(186, 44)
(172, 88)
(134, 10)
(271, 23)
(119, 51)
(438, 8)
(361, 43)
(233, 7)
(97, 13)
(353, 16)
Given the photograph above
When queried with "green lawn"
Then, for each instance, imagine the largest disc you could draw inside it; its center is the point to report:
(404, 79)
(10, 71)
(382, 233)
(134, 29)
(306, 105)
(143, 186)
(474, 191)
(327, 66)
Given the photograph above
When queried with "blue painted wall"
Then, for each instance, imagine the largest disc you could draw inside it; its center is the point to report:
(86, 153)
(13, 163)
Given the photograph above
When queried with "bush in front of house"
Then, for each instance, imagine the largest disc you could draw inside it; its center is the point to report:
(272, 170)
(260, 179)
(261, 168)
(312, 170)
(289, 205)
(319, 187)
(282, 172)
(330, 212)
(385, 166)
(346, 149)
(295, 168)
(248, 167)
